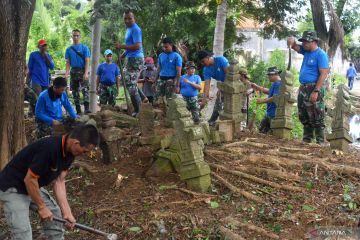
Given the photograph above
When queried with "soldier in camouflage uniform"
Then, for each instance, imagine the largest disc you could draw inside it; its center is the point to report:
(190, 85)
(31, 97)
(169, 70)
(108, 80)
(148, 78)
(77, 58)
(134, 59)
(313, 73)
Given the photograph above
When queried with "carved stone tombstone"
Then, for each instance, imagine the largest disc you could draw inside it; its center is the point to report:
(282, 124)
(185, 152)
(110, 137)
(233, 91)
(340, 138)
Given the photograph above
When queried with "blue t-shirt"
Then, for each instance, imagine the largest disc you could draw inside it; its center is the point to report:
(75, 60)
(134, 35)
(47, 110)
(168, 63)
(108, 73)
(39, 69)
(216, 70)
(312, 62)
(273, 91)
(186, 89)
(351, 72)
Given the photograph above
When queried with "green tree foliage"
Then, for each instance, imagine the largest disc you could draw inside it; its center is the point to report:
(189, 23)
(54, 20)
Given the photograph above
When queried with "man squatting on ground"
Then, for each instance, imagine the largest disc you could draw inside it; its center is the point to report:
(217, 68)
(37, 165)
(134, 58)
(313, 72)
(274, 77)
(108, 80)
(190, 84)
(78, 57)
(48, 110)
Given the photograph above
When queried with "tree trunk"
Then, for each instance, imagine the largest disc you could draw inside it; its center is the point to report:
(96, 34)
(15, 19)
(317, 10)
(221, 13)
(218, 50)
(336, 32)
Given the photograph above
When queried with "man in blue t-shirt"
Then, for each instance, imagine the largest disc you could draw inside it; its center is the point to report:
(274, 77)
(313, 72)
(190, 85)
(216, 68)
(108, 80)
(48, 110)
(77, 58)
(350, 75)
(168, 70)
(38, 68)
(134, 58)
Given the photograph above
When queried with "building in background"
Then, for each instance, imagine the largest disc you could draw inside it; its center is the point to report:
(256, 45)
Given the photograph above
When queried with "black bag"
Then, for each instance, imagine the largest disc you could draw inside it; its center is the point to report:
(78, 53)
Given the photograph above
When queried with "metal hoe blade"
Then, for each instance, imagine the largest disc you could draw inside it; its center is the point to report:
(108, 236)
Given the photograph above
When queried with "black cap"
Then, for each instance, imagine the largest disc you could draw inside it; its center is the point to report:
(273, 70)
(309, 36)
(204, 54)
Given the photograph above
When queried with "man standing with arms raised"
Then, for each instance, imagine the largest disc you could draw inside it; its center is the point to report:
(134, 58)
(313, 72)
(77, 58)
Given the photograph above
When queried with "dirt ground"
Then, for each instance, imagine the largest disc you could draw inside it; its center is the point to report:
(262, 188)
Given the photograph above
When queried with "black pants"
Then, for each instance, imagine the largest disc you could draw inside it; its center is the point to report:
(265, 125)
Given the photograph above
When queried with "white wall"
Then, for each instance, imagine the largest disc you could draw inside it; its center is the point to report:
(263, 48)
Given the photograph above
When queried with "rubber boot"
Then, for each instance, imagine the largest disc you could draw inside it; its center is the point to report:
(213, 118)
(308, 134)
(195, 116)
(136, 102)
(86, 108)
(319, 135)
(78, 109)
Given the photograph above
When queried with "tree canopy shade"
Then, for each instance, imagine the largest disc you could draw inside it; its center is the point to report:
(15, 19)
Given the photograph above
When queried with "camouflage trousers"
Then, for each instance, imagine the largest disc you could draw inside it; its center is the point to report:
(78, 84)
(311, 115)
(44, 130)
(31, 97)
(193, 106)
(164, 88)
(37, 88)
(108, 94)
(133, 66)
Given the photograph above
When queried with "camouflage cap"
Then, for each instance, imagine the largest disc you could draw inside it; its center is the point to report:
(309, 36)
(273, 70)
(190, 64)
(244, 72)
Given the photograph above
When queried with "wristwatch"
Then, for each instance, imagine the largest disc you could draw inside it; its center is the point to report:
(316, 90)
